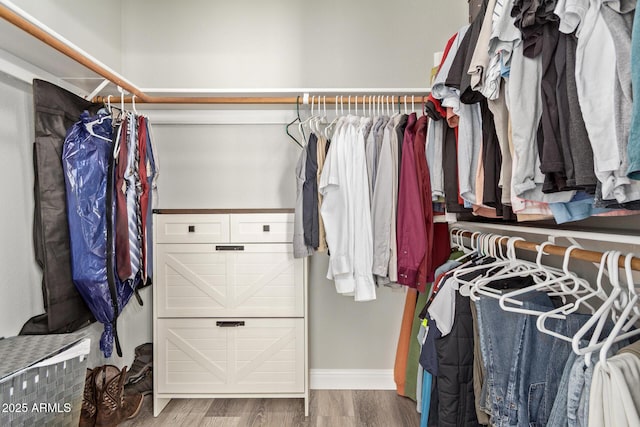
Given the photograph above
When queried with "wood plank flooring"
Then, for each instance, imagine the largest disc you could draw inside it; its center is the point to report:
(328, 408)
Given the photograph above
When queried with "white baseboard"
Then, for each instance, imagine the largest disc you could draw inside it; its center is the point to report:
(352, 379)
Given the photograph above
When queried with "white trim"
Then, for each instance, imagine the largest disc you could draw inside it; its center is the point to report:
(352, 379)
(218, 117)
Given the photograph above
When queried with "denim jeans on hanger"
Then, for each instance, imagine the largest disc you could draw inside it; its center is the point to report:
(502, 340)
(558, 414)
(579, 386)
(542, 364)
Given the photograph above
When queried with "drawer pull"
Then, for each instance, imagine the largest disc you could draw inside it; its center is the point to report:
(266, 228)
(230, 248)
(230, 324)
(192, 229)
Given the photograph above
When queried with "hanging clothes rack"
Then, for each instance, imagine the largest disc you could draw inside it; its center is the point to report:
(580, 254)
(14, 15)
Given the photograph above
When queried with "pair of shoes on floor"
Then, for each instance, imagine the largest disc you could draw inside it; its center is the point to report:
(104, 401)
(140, 376)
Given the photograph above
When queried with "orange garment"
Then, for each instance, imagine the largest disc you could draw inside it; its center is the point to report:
(404, 341)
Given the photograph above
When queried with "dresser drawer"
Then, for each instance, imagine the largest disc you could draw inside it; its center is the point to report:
(200, 228)
(248, 280)
(256, 228)
(215, 356)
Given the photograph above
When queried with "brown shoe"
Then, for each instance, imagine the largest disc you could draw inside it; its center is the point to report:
(144, 385)
(141, 363)
(89, 409)
(113, 406)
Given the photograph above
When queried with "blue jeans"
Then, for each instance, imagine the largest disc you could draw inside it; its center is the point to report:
(571, 406)
(523, 365)
(501, 339)
(542, 366)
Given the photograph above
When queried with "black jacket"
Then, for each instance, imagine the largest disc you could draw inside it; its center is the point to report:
(456, 406)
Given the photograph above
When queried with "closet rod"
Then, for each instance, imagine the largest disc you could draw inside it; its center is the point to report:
(581, 254)
(37, 32)
(330, 101)
(63, 46)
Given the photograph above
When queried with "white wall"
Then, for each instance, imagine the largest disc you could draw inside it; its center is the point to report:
(20, 294)
(285, 43)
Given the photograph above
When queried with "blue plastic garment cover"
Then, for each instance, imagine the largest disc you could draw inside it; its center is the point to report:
(86, 154)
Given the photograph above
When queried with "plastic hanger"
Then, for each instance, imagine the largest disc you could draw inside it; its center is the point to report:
(508, 302)
(486, 248)
(572, 307)
(511, 261)
(599, 318)
(309, 121)
(628, 317)
(109, 104)
(121, 98)
(133, 104)
(330, 127)
(550, 284)
(321, 118)
(89, 127)
(291, 123)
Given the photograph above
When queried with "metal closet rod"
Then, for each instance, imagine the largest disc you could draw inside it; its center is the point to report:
(581, 254)
(330, 101)
(55, 41)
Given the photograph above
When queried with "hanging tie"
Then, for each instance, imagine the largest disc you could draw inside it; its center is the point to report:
(133, 200)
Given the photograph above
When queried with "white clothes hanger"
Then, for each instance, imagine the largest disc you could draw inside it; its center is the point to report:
(89, 127)
(306, 121)
(508, 302)
(572, 307)
(485, 247)
(554, 284)
(406, 111)
(628, 317)
(109, 104)
(121, 98)
(478, 287)
(511, 266)
(133, 104)
(330, 126)
(321, 119)
(599, 318)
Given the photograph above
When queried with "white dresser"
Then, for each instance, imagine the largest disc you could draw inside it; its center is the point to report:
(230, 306)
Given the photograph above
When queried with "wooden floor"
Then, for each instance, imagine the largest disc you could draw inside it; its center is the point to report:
(328, 408)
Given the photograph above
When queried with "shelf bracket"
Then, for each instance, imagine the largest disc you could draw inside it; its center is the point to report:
(97, 90)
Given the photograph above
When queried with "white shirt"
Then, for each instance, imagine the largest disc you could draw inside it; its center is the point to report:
(334, 207)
